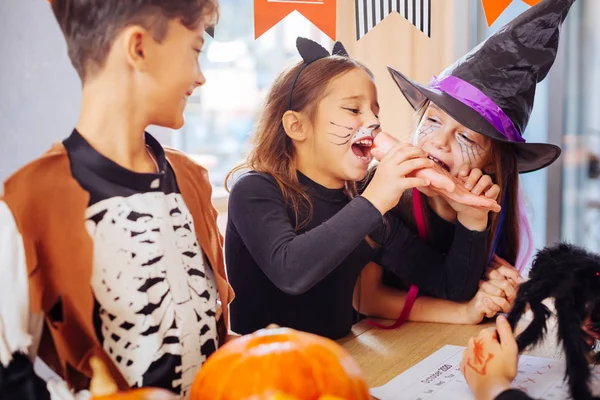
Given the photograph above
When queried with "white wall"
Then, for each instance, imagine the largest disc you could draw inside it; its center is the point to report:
(39, 89)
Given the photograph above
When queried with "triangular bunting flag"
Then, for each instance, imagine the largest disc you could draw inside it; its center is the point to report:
(370, 12)
(322, 13)
(494, 8)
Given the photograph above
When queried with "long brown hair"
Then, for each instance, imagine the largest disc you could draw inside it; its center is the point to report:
(273, 151)
(506, 175)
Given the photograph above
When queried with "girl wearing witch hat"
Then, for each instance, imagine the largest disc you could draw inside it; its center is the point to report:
(298, 232)
(472, 118)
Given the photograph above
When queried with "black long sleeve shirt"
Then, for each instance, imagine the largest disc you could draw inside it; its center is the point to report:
(444, 237)
(305, 278)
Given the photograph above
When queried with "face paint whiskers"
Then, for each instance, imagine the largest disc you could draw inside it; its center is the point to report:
(343, 137)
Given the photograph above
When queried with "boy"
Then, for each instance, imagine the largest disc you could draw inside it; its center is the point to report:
(108, 242)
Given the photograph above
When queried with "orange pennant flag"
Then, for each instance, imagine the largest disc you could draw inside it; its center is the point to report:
(494, 8)
(268, 13)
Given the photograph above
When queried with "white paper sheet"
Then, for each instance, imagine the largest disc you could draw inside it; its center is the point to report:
(438, 377)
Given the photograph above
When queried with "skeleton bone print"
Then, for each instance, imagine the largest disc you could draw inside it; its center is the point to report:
(157, 300)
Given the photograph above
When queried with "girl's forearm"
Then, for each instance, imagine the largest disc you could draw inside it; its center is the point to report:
(389, 303)
(374, 299)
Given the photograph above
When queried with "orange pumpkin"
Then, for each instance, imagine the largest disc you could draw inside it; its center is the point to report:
(102, 387)
(279, 363)
(281, 396)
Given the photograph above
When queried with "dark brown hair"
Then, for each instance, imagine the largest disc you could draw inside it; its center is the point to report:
(273, 151)
(504, 158)
(91, 26)
(504, 161)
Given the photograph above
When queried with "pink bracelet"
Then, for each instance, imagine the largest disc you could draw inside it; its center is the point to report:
(411, 297)
(413, 291)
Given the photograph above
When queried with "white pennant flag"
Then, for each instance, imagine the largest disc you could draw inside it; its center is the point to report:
(370, 12)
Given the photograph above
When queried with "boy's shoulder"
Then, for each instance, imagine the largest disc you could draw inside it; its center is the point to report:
(180, 157)
(49, 171)
(183, 162)
(44, 189)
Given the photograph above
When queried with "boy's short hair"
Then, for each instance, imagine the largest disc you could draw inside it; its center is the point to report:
(91, 26)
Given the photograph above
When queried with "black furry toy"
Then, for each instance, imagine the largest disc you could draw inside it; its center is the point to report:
(571, 276)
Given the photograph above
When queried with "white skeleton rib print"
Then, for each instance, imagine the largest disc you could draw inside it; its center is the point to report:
(156, 297)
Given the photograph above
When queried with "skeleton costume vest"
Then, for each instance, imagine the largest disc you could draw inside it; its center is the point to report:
(124, 266)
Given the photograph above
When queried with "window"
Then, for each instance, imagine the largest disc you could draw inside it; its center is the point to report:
(581, 149)
(239, 71)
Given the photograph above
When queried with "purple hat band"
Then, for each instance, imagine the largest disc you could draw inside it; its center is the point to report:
(475, 99)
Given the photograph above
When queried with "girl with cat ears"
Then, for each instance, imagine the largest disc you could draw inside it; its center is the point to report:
(299, 232)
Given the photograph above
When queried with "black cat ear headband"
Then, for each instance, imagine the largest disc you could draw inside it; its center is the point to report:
(311, 51)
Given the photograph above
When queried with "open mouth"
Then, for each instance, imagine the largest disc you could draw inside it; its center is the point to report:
(439, 162)
(362, 148)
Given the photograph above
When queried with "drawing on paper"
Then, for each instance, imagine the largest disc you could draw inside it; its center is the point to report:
(438, 377)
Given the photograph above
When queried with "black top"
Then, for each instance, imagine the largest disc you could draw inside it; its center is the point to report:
(441, 237)
(305, 279)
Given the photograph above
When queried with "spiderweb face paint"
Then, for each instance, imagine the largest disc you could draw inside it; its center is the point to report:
(426, 129)
(471, 151)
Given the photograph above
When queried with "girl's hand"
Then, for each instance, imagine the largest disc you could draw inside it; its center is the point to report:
(439, 179)
(477, 182)
(475, 218)
(390, 180)
(502, 280)
(484, 305)
(505, 269)
(499, 288)
(489, 366)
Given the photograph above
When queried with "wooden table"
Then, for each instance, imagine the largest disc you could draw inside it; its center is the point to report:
(382, 354)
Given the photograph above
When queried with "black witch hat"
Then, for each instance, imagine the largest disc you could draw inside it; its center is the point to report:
(491, 89)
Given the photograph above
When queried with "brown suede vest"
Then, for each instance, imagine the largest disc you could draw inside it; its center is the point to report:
(49, 209)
